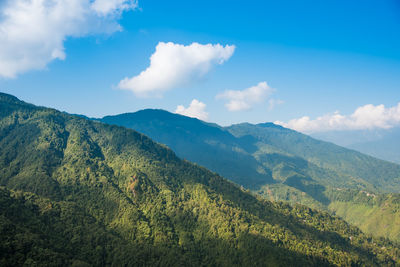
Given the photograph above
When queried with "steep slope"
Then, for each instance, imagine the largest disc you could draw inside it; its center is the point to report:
(375, 213)
(362, 169)
(78, 192)
(263, 151)
(204, 143)
(304, 170)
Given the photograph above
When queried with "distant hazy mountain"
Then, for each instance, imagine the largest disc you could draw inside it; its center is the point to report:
(383, 144)
(76, 192)
(275, 162)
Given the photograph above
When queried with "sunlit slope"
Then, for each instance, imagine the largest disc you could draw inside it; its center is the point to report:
(256, 155)
(276, 163)
(79, 192)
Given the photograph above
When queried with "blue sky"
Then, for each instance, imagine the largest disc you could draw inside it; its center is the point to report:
(317, 57)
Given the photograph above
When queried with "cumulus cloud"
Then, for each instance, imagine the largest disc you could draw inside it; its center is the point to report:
(33, 32)
(174, 65)
(196, 109)
(364, 117)
(245, 99)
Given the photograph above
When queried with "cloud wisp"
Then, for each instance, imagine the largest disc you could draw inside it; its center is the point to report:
(366, 117)
(173, 65)
(106, 7)
(274, 103)
(245, 99)
(33, 32)
(196, 109)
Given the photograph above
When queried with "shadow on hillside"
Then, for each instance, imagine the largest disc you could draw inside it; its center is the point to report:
(248, 142)
(293, 171)
(308, 185)
(239, 167)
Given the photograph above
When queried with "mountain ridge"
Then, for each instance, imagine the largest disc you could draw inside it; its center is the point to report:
(79, 192)
(254, 132)
(275, 162)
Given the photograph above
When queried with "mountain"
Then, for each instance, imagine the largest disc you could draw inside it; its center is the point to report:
(273, 161)
(256, 155)
(382, 143)
(204, 143)
(83, 193)
(349, 168)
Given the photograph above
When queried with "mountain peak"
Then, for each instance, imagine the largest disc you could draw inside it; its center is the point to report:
(9, 98)
(80, 192)
(270, 125)
(147, 113)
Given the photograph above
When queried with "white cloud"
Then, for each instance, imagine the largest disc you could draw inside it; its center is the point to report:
(174, 65)
(33, 32)
(245, 99)
(364, 117)
(196, 109)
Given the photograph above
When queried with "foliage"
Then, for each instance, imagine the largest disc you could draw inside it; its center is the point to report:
(256, 155)
(377, 214)
(277, 163)
(78, 192)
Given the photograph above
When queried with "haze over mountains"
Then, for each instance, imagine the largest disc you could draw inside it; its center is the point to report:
(382, 143)
(79, 192)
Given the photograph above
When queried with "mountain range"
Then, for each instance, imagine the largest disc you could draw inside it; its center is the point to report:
(84, 193)
(277, 163)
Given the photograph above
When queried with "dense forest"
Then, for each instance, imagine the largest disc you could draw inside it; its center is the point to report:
(83, 193)
(280, 164)
(256, 155)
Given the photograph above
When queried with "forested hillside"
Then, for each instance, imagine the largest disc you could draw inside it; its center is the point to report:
(255, 155)
(206, 144)
(83, 193)
(348, 167)
(276, 163)
(374, 213)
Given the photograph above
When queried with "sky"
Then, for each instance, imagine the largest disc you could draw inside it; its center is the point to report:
(308, 65)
